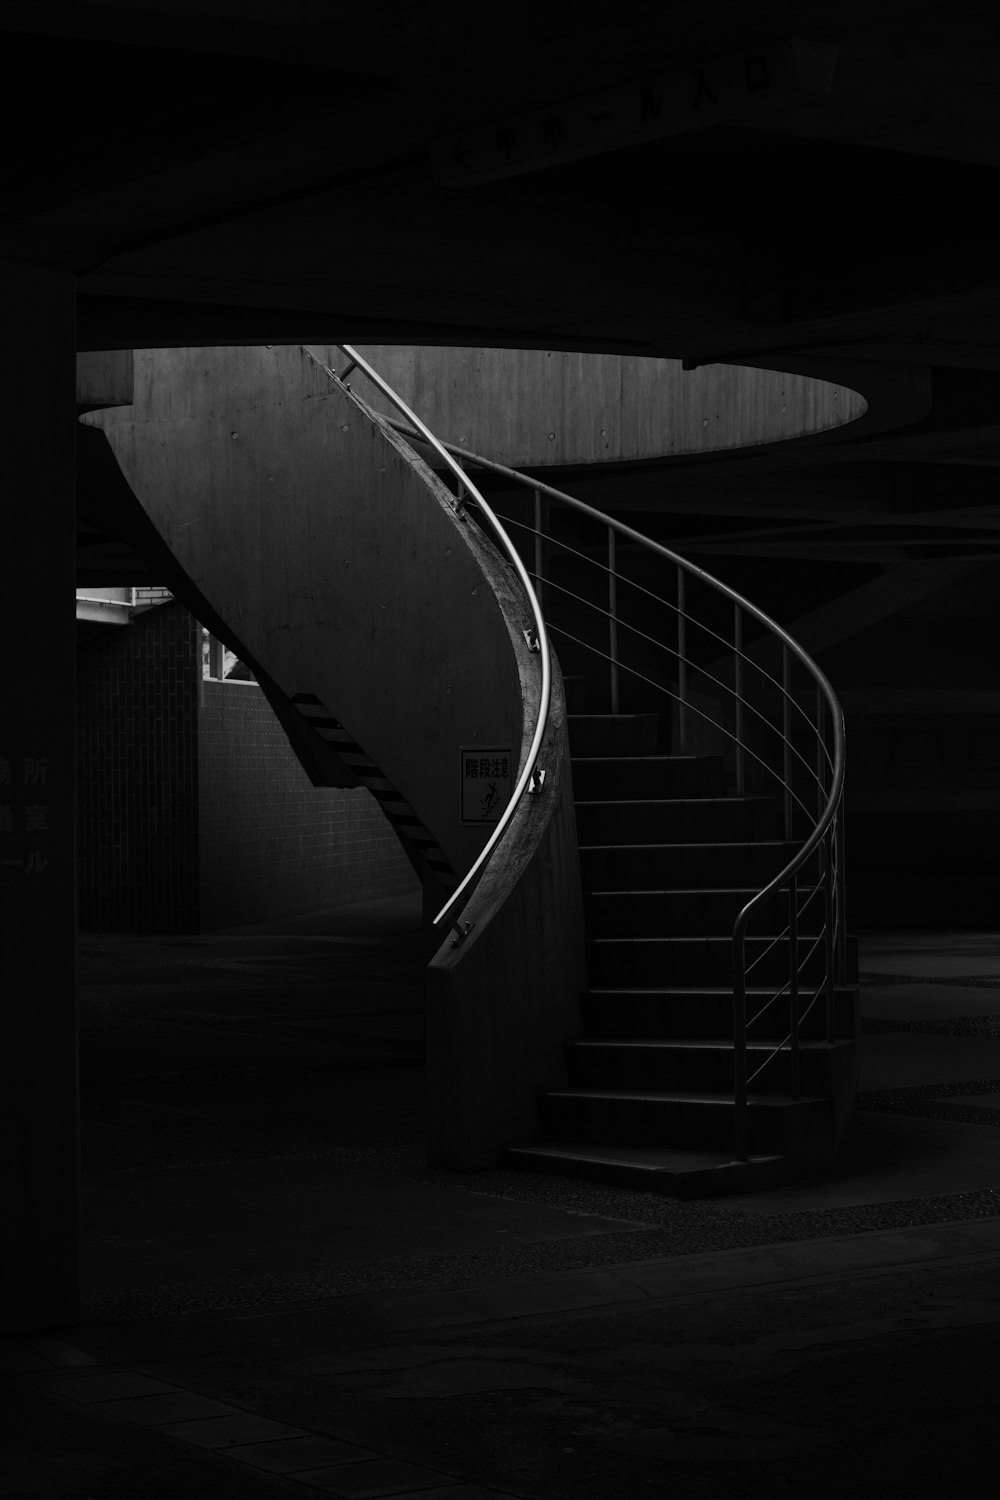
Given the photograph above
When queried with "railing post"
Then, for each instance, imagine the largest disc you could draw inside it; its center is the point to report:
(793, 984)
(738, 687)
(741, 1141)
(840, 893)
(820, 753)
(682, 665)
(786, 737)
(539, 546)
(613, 618)
(828, 943)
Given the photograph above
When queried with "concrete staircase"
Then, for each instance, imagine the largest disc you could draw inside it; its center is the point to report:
(668, 858)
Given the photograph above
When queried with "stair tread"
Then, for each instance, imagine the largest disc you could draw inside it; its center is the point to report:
(686, 890)
(674, 760)
(704, 844)
(720, 937)
(652, 1158)
(669, 801)
(656, 1096)
(717, 1044)
(709, 991)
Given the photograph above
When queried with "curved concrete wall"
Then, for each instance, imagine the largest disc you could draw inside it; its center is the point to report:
(502, 1006)
(527, 407)
(335, 558)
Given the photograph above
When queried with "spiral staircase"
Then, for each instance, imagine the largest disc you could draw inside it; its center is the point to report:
(697, 1032)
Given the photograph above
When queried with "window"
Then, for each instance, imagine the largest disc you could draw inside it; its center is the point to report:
(219, 664)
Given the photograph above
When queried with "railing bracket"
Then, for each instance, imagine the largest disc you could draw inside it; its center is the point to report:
(531, 640)
(462, 930)
(353, 365)
(536, 783)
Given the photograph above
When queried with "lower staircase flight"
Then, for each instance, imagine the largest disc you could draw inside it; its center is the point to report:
(667, 861)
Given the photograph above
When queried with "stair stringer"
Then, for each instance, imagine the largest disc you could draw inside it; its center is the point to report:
(335, 557)
(427, 859)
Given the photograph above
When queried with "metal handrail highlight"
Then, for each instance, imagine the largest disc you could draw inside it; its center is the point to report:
(541, 644)
(827, 777)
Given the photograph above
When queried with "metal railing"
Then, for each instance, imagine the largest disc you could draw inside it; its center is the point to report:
(531, 776)
(730, 695)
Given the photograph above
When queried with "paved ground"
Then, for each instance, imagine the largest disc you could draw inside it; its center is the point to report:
(280, 1298)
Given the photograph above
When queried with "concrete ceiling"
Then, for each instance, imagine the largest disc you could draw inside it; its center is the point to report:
(272, 162)
(221, 171)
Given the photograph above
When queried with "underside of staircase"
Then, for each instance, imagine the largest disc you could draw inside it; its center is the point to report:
(669, 854)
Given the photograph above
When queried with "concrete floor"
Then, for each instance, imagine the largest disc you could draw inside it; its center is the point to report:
(280, 1298)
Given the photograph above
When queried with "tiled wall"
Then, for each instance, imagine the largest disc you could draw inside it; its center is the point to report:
(148, 594)
(138, 780)
(271, 843)
(193, 811)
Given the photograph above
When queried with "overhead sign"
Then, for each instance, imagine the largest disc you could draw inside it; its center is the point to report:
(711, 93)
(487, 775)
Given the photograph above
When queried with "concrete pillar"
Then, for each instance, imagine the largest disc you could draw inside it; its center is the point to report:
(39, 1158)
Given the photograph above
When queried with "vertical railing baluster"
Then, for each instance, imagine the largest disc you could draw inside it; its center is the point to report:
(682, 665)
(793, 984)
(828, 944)
(741, 1142)
(841, 894)
(793, 888)
(738, 686)
(613, 614)
(786, 736)
(821, 767)
(539, 547)
(820, 753)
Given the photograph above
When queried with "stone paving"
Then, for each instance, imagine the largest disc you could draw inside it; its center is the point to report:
(255, 1190)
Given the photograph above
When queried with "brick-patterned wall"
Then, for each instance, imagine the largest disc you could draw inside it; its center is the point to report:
(138, 783)
(148, 594)
(271, 843)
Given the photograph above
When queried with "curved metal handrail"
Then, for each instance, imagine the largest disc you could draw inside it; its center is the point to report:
(417, 427)
(825, 833)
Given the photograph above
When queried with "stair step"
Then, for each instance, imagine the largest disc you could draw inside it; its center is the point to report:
(615, 866)
(627, 962)
(676, 1014)
(613, 734)
(800, 1128)
(575, 689)
(694, 913)
(667, 820)
(699, 1064)
(672, 1173)
(632, 777)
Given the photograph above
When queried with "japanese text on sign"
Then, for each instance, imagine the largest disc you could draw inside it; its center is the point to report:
(666, 104)
(24, 825)
(486, 782)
